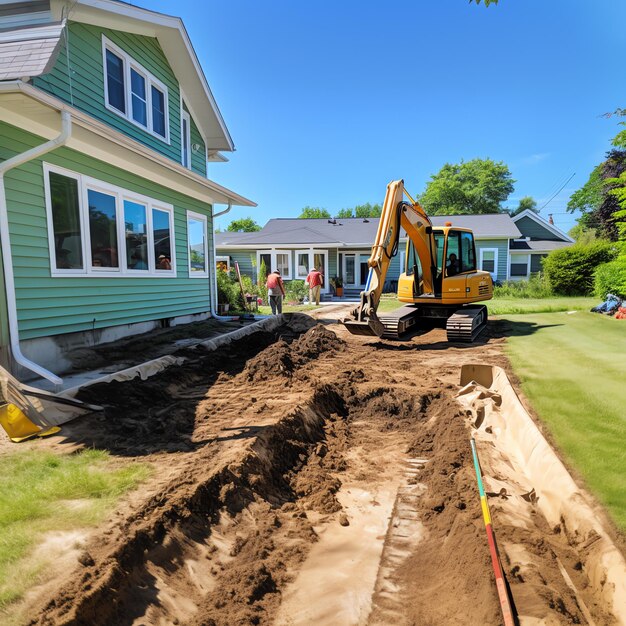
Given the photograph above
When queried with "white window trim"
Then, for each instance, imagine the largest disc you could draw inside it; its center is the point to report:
(151, 80)
(223, 259)
(273, 252)
(120, 194)
(494, 274)
(185, 117)
(313, 252)
(201, 218)
(308, 253)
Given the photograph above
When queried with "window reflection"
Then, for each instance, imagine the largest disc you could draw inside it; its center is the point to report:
(136, 236)
(162, 240)
(197, 247)
(103, 229)
(66, 222)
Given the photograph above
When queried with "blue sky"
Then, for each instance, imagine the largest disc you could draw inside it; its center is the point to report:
(329, 101)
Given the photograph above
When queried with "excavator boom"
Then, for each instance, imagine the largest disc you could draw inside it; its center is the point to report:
(395, 215)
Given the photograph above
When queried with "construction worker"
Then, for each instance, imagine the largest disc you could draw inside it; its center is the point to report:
(275, 291)
(315, 280)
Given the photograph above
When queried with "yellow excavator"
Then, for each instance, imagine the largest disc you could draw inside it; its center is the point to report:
(440, 279)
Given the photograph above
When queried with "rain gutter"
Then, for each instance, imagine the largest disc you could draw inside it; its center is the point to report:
(5, 241)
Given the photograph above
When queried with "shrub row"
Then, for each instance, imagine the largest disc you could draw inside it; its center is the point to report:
(570, 271)
(229, 291)
(611, 278)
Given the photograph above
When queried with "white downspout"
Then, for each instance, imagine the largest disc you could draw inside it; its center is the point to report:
(213, 285)
(5, 166)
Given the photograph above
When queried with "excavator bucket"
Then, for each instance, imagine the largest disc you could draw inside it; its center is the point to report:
(372, 327)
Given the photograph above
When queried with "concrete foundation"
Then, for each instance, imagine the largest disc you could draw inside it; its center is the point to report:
(51, 352)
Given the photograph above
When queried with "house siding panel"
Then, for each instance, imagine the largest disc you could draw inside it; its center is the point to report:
(530, 228)
(198, 157)
(50, 305)
(85, 90)
(245, 259)
(502, 245)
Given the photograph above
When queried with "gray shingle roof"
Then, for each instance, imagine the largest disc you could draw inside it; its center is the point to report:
(355, 231)
(543, 245)
(29, 51)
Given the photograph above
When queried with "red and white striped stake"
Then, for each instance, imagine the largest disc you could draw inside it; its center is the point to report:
(505, 604)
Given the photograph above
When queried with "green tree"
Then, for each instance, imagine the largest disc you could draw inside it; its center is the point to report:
(243, 225)
(311, 212)
(361, 210)
(474, 187)
(525, 204)
(581, 234)
(602, 198)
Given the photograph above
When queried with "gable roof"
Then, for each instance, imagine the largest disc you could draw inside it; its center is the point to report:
(355, 231)
(544, 224)
(30, 50)
(176, 45)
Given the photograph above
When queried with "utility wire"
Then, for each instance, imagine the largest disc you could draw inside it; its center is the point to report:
(557, 192)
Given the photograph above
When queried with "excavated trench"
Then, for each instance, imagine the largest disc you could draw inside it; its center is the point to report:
(300, 478)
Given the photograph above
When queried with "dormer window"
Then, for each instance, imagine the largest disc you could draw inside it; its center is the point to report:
(134, 93)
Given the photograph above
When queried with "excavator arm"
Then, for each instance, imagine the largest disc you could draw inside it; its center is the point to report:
(396, 214)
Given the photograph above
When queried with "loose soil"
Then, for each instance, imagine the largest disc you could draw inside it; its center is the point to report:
(304, 476)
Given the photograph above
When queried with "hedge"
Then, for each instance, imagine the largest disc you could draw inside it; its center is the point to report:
(570, 271)
(611, 278)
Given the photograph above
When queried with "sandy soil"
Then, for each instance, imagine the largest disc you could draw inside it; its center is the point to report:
(304, 476)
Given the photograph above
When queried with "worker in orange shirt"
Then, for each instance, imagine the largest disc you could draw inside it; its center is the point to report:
(315, 280)
(275, 291)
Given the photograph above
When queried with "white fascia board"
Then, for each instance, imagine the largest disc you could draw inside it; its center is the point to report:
(553, 229)
(174, 40)
(103, 142)
(214, 156)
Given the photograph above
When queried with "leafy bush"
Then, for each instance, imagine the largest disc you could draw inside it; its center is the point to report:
(535, 287)
(570, 270)
(262, 280)
(296, 291)
(610, 278)
(227, 289)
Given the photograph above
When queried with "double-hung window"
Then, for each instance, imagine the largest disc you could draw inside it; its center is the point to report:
(98, 229)
(133, 92)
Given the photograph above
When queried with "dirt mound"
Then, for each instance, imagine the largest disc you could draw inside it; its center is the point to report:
(257, 467)
(284, 359)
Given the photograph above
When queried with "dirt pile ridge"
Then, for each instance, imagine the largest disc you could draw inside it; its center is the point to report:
(270, 479)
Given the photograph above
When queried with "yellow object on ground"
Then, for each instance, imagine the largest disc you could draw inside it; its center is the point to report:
(19, 427)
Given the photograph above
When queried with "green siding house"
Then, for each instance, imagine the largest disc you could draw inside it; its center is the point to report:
(106, 212)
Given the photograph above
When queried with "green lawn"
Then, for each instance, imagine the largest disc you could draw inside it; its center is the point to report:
(572, 368)
(511, 306)
(42, 492)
